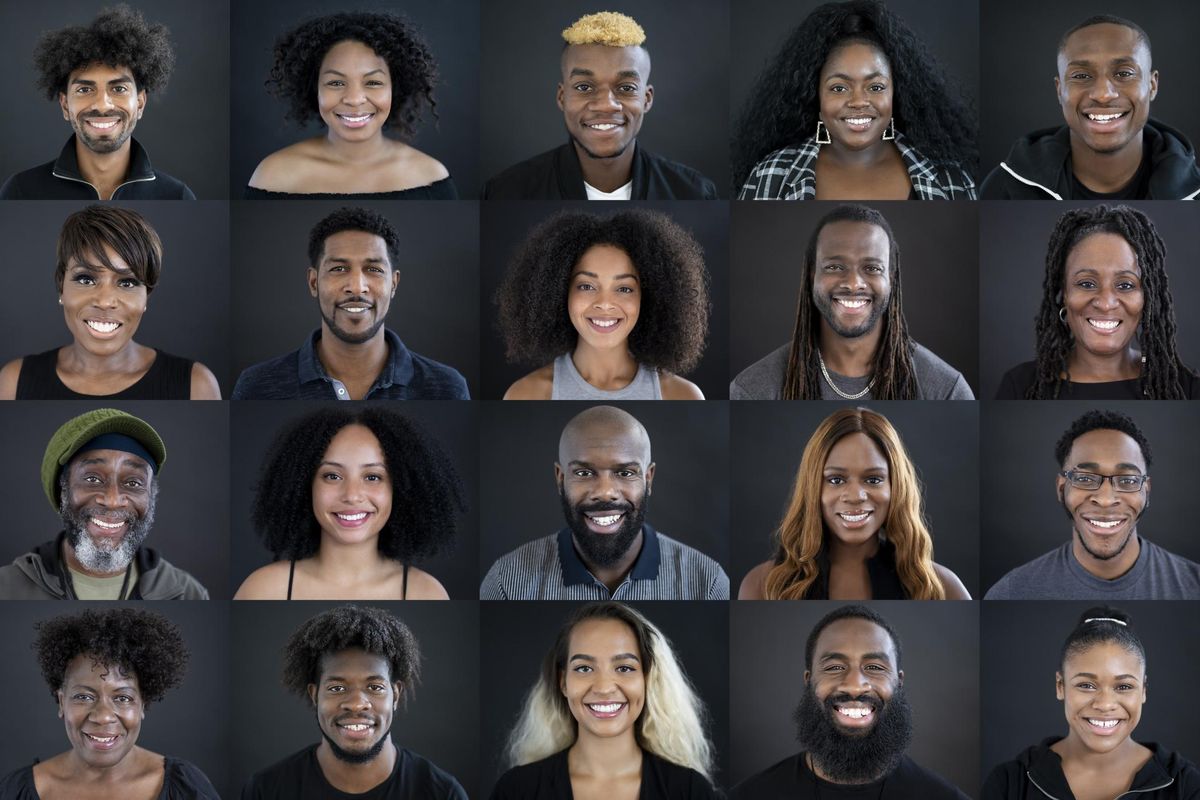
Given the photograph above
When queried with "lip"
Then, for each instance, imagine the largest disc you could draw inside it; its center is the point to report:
(352, 519)
(92, 743)
(1105, 526)
(1099, 731)
(610, 324)
(608, 711)
(1104, 326)
(355, 309)
(102, 124)
(593, 520)
(857, 519)
(98, 333)
(617, 125)
(859, 123)
(362, 733)
(106, 529)
(1110, 118)
(858, 304)
(353, 121)
(865, 718)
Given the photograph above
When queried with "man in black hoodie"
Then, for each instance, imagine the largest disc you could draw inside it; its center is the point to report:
(1110, 148)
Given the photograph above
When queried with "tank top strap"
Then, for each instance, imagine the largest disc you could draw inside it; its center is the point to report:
(291, 577)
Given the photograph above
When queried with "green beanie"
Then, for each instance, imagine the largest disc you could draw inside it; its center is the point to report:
(77, 432)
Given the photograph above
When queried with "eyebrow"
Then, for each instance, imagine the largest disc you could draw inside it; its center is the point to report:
(839, 257)
(368, 259)
(87, 82)
(1126, 677)
(1136, 272)
(617, 657)
(873, 468)
(1082, 62)
(622, 465)
(336, 72)
(340, 679)
(1094, 466)
(120, 687)
(846, 77)
(615, 277)
(865, 657)
(338, 464)
(90, 267)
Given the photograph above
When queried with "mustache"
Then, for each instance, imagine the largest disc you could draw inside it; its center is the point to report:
(595, 507)
(87, 512)
(116, 112)
(869, 700)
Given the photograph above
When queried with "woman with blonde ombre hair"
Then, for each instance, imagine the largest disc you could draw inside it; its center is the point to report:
(855, 528)
(612, 714)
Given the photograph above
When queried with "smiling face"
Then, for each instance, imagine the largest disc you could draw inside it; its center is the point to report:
(354, 284)
(604, 681)
(103, 105)
(852, 277)
(355, 700)
(856, 95)
(857, 489)
(102, 711)
(604, 93)
(352, 492)
(1103, 294)
(854, 673)
(102, 307)
(1102, 689)
(1105, 520)
(1105, 85)
(604, 297)
(354, 91)
(107, 508)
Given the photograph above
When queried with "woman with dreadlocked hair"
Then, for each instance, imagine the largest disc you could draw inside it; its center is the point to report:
(853, 107)
(1106, 328)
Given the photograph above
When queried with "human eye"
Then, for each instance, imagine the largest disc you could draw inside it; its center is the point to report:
(335, 688)
(626, 289)
(877, 87)
(120, 89)
(335, 83)
(134, 483)
(626, 473)
(583, 473)
(377, 687)
(834, 480)
(1086, 283)
(581, 668)
(1079, 75)
(833, 668)
(875, 668)
(1126, 73)
(1128, 286)
(582, 87)
(628, 88)
(1128, 481)
(875, 480)
(128, 283)
(626, 668)
(330, 476)
(81, 697)
(1085, 480)
(376, 83)
(1085, 686)
(375, 477)
(584, 286)
(84, 279)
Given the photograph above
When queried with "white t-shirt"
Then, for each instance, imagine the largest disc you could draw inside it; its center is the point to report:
(621, 193)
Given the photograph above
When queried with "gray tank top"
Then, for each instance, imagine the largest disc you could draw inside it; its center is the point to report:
(570, 385)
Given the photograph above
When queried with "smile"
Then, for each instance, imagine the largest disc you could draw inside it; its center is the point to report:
(1103, 724)
(605, 710)
(853, 303)
(1104, 325)
(604, 522)
(603, 126)
(859, 120)
(357, 727)
(855, 713)
(102, 326)
(111, 526)
(95, 123)
(355, 309)
(355, 517)
(852, 518)
(1102, 118)
(354, 120)
(603, 323)
(101, 739)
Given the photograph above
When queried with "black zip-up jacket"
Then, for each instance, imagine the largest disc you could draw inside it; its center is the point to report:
(1036, 774)
(1038, 167)
(61, 180)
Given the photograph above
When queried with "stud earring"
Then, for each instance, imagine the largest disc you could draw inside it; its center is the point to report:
(890, 133)
(822, 129)
(60, 301)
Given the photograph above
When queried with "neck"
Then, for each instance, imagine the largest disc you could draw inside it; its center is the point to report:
(367, 150)
(105, 171)
(820, 773)
(356, 778)
(866, 158)
(612, 575)
(348, 564)
(846, 553)
(73, 563)
(1112, 568)
(854, 358)
(118, 774)
(612, 367)
(79, 359)
(1073, 750)
(346, 361)
(605, 757)
(1088, 367)
(606, 174)
(1106, 172)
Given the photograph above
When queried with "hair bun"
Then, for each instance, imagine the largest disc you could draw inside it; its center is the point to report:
(1104, 614)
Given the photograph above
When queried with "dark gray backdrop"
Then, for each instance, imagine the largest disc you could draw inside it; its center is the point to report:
(941, 678)
(188, 312)
(523, 632)
(191, 524)
(435, 310)
(518, 499)
(452, 33)
(942, 439)
(1021, 646)
(939, 253)
(689, 54)
(181, 725)
(1021, 517)
(1019, 54)
(254, 425)
(505, 226)
(185, 129)
(1013, 240)
(440, 722)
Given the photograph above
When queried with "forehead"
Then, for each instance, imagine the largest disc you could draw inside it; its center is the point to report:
(856, 59)
(856, 449)
(84, 669)
(351, 55)
(1102, 250)
(853, 239)
(113, 459)
(598, 637)
(1104, 658)
(603, 441)
(355, 245)
(93, 259)
(604, 61)
(853, 637)
(354, 439)
(1106, 448)
(353, 663)
(100, 72)
(605, 259)
(1102, 43)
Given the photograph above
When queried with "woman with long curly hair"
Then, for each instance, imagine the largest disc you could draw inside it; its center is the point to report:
(617, 304)
(855, 528)
(853, 107)
(1106, 327)
(362, 74)
(612, 714)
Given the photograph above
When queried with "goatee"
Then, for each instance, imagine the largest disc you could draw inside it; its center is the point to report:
(846, 757)
(604, 549)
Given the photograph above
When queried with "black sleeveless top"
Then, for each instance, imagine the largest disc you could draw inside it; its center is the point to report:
(169, 378)
(403, 581)
(881, 569)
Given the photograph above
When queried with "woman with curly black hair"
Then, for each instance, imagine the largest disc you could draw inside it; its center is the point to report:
(347, 502)
(1106, 327)
(361, 74)
(854, 108)
(104, 668)
(618, 304)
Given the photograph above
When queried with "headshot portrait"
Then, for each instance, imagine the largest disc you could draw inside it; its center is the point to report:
(825, 695)
(358, 501)
(1093, 465)
(1093, 110)
(827, 283)
(602, 537)
(334, 274)
(1099, 319)
(855, 100)
(132, 688)
(354, 699)
(110, 533)
(610, 685)
(91, 75)
(624, 305)
(357, 100)
(134, 270)
(642, 105)
(855, 502)
(1099, 666)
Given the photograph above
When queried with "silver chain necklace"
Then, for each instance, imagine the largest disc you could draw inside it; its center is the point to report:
(834, 386)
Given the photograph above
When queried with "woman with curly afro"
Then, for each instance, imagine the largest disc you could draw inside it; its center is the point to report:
(361, 74)
(854, 108)
(617, 304)
(104, 668)
(347, 502)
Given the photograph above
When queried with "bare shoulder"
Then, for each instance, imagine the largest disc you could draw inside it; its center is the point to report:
(951, 584)
(423, 586)
(420, 169)
(677, 388)
(537, 385)
(754, 585)
(279, 171)
(204, 383)
(10, 373)
(266, 583)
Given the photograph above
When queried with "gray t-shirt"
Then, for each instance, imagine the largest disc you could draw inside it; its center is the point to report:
(763, 380)
(1156, 575)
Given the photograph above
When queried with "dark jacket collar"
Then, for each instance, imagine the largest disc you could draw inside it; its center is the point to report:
(1043, 767)
(67, 164)
(574, 571)
(50, 553)
(398, 369)
(570, 173)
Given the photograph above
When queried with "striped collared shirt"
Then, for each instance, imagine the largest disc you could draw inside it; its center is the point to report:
(550, 569)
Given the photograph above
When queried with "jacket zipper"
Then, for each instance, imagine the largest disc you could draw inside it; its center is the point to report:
(97, 191)
(1118, 797)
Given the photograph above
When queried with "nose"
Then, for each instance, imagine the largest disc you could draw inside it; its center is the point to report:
(854, 279)
(356, 282)
(1104, 700)
(854, 683)
(352, 490)
(855, 492)
(103, 712)
(1106, 495)
(605, 101)
(604, 299)
(111, 496)
(605, 488)
(1106, 298)
(355, 700)
(1103, 89)
(105, 295)
(858, 98)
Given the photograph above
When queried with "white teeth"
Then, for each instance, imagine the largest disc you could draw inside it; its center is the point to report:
(1104, 117)
(363, 118)
(103, 327)
(355, 517)
(101, 125)
(358, 726)
(604, 323)
(356, 309)
(109, 525)
(852, 302)
(101, 739)
(1104, 523)
(854, 517)
(606, 521)
(858, 120)
(1104, 324)
(854, 713)
(602, 126)
(604, 708)
(1104, 723)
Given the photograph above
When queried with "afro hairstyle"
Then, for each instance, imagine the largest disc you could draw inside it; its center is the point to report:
(352, 219)
(1102, 419)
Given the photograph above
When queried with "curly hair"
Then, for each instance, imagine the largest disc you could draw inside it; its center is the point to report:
(1102, 420)
(673, 322)
(608, 28)
(143, 644)
(893, 376)
(117, 37)
(783, 106)
(802, 536)
(353, 219)
(88, 231)
(849, 612)
(426, 489)
(1164, 375)
(300, 51)
(366, 628)
(1099, 625)
(672, 721)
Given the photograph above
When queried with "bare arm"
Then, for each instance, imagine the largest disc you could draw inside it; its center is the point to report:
(204, 383)
(754, 585)
(951, 584)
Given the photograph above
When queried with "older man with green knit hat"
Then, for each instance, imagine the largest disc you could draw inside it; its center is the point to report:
(100, 472)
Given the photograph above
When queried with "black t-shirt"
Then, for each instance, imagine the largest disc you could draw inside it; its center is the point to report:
(1016, 383)
(550, 779)
(299, 777)
(791, 779)
(1136, 189)
(182, 780)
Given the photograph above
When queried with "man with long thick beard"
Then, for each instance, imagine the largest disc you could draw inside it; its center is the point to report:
(100, 472)
(607, 551)
(853, 721)
(353, 665)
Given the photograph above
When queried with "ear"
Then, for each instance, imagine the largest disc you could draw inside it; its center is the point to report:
(59, 697)
(650, 477)
(1060, 485)
(558, 97)
(1059, 690)
(649, 101)
(395, 281)
(558, 477)
(62, 103)
(397, 693)
(807, 675)
(900, 677)
(1058, 90)
(141, 103)
(1145, 687)
(1153, 84)
(312, 694)
(312, 281)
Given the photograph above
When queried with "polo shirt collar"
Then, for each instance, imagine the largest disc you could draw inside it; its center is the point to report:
(398, 369)
(67, 163)
(575, 572)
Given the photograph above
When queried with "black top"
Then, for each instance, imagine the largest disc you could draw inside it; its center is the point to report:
(556, 175)
(881, 571)
(1138, 186)
(292, 577)
(793, 780)
(438, 190)
(61, 180)
(550, 779)
(169, 378)
(182, 781)
(1016, 383)
(299, 777)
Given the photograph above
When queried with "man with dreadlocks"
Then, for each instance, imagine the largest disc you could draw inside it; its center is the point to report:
(851, 341)
(1106, 329)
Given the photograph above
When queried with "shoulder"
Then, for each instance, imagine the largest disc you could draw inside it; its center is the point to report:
(278, 172)
(519, 181)
(781, 779)
(423, 778)
(204, 383)
(688, 560)
(951, 584)
(677, 779)
(1017, 381)
(418, 168)
(168, 187)
(520, 573)
(1174, 561)
(438, 381)
(265, 583)
(276, 379)
(525, 779)
(423, 586)
(677, 388)
(917, 781)
(18, 785)
(537, 385)
(936, 379)
(10, 375)
(186, 778)
(282, 775)
(754, 586)
(1029, 581)
(762, 380)
(165, 581)
(682, 182)
(24, 185)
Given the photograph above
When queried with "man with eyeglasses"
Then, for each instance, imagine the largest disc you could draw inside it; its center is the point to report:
(1104, 487)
